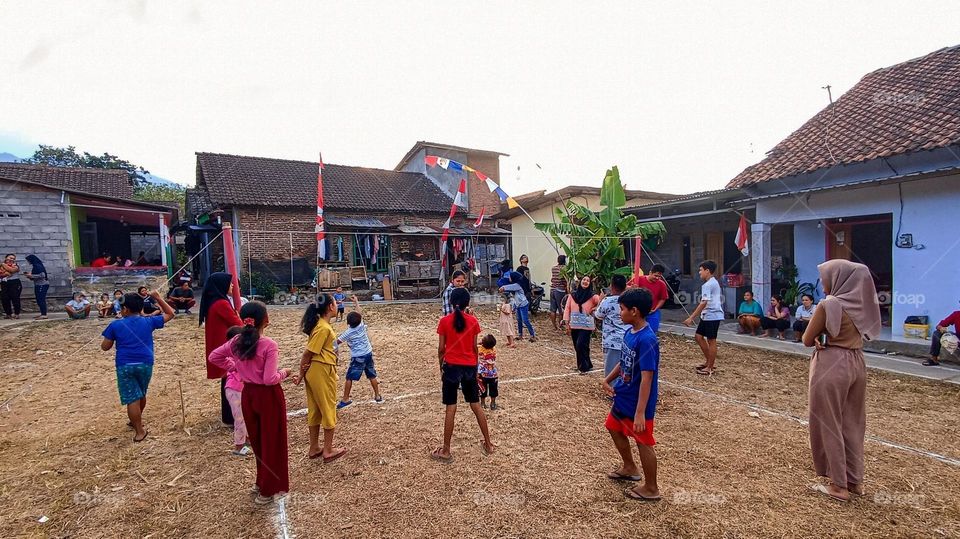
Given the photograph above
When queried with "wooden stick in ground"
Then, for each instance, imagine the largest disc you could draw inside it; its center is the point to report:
(183, 410)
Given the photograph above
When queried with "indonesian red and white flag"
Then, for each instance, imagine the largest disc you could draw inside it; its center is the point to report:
(743, 240)
(320, 229)
(479, 218)
(461, 198)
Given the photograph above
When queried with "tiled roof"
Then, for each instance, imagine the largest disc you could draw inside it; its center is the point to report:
(95, 181)
(911, 106)
(234, 180)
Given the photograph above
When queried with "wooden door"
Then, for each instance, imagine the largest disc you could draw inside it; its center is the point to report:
(714, 249)
(839, 241)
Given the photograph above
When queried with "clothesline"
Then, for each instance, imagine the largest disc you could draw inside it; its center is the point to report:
(425, 234)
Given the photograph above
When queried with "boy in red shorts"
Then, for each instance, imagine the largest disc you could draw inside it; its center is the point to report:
(633, 385)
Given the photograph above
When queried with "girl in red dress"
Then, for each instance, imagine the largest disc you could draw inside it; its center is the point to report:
(217, 316)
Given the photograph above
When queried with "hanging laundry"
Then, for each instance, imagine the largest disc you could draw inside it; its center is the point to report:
(340, 248)
(376, 245)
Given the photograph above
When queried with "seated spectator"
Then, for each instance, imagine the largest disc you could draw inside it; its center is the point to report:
(803, 316)
(942, 328)
(778, 318)
(104, 306)
(102, 262)
(149, 305)
(78, 307)
(749, 314)
(181, 297)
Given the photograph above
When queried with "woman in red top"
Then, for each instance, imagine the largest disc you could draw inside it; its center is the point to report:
(458, 354)
(219, 315)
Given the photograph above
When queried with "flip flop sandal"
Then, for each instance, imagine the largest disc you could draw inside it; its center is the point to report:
(435, 455)
(629, 493)
(700, 366)
(704, 372)
(315, 455)
(931, 363)
(145, 434)
(620, 477)
(483, 448)
(327, 460)
(823, 490)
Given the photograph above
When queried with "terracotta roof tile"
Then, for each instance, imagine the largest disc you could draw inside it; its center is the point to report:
(96, 181)
(911, 106)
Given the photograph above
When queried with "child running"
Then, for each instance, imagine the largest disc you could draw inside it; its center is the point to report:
(361, 355)
(506, 319)
(710, 311)
(487, 371)
(633, 386)
(264, 407)
(234, 391)
(133, 335)
(104, 306)
(318, 369)
(458, 356)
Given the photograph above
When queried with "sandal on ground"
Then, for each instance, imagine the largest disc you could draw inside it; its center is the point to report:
(483, 447)
(263, 500)
(700, 367)
(344, 404)
(630, 493)
(316, 455)
(145, 433)
(616, 476)
(705, 372)
(243, 451)
(931, 363)
(378, 399)
(824, 490)
(436, 455)
(335, 456)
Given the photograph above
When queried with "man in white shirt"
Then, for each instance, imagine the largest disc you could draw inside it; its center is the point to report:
(710, 311)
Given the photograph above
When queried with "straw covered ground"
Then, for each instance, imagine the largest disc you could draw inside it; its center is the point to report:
(66, 454)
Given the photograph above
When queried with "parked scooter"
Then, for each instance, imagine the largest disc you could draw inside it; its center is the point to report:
(536, 293)
(672, 280)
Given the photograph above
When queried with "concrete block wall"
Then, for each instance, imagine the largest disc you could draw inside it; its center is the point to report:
(33, 221)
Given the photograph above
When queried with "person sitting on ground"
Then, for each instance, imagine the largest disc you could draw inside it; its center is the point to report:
(78, 307)
(104, 306)
(942, 329)
(777, 318)
(558, 292)
(803, 316)
(608, 312)
(749, 314)
(361, 355)
(149, 306)
(181, 297)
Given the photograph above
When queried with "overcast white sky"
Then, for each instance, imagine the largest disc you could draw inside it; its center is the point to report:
(681, 97)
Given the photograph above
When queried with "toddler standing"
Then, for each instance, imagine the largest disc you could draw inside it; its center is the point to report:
(487, 371)
(507, 329)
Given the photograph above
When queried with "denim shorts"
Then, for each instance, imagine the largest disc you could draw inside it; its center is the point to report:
(132, 381)
(360, 365)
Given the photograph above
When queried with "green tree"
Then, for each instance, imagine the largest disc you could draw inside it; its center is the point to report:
(169, 193)
(68, 157)
(593, 241)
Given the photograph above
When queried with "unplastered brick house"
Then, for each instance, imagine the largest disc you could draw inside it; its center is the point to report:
(387, 222)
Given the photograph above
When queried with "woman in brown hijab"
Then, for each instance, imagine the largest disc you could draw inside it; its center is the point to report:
(838, 377)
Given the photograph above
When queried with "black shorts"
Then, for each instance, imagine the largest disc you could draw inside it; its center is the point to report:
(708, 328)
(460, 377)
(556, 300)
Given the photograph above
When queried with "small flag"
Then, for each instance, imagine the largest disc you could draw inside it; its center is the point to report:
(443, 162)
(491, 185)
(511, 203)
(482, 177)
(480, 218)
(501, 193)
(460, 199)
(743, 240)
(455, 165)
(470, 169)
(430, 160)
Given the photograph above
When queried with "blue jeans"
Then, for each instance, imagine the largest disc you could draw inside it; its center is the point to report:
(653, 319)
(40, 290)
(523, 317)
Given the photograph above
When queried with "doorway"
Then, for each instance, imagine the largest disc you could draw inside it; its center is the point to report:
(868, 240)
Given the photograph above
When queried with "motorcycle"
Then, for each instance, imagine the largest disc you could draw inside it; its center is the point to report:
(672, 280)
(536, 296)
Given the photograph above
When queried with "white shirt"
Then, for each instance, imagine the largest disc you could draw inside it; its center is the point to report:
(711, 293)
(802, 311)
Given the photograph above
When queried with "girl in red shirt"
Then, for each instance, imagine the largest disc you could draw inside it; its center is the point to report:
(458, 354)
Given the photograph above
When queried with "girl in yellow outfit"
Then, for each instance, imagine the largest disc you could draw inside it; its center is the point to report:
(318, 368)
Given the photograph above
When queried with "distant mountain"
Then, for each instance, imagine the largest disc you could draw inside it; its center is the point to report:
(8, 158)
(157, 180)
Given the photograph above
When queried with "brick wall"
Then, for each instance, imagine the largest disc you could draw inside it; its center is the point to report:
(39, 227)
(480, 195)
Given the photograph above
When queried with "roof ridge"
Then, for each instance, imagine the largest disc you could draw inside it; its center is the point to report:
(912, 60)
(70, 170)
(305, 162)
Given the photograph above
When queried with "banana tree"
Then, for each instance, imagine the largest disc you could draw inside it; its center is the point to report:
(593, 240)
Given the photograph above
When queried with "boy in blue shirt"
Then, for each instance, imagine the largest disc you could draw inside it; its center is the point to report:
(361, 355)
(339, 297)
(133, 335)
(633, 386)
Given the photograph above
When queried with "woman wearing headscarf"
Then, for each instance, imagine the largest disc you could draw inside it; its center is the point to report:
(838, 377)
(217, 316)
(41, 284)
(582, 301)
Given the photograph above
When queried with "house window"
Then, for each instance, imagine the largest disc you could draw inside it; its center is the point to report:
(12, 215)
(363, 252)
(685, 265)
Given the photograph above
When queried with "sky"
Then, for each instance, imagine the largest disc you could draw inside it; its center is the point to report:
(681, 96)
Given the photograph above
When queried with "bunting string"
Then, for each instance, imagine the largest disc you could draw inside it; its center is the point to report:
(450, 164)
